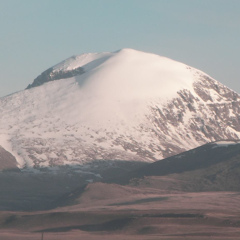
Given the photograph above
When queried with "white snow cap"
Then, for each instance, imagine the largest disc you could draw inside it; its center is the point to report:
(125, 105)
(124, 81)
(132, 74)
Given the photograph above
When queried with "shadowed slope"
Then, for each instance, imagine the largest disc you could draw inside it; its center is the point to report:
(214, 166)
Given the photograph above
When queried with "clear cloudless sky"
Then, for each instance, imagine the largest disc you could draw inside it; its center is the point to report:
(37, 34)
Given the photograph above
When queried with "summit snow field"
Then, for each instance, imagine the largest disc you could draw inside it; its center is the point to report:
(124, 105)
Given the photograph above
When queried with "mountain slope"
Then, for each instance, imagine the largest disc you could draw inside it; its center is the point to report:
(125, 105)
(211, 167)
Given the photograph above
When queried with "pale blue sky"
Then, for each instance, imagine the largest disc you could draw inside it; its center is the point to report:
(37, 34)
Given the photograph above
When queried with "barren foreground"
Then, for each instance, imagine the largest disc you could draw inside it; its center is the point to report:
(138, 214)
(192, 196)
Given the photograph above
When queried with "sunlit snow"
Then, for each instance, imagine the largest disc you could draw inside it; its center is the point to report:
(114, 110)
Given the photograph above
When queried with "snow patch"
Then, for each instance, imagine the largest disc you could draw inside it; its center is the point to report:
(225, 143)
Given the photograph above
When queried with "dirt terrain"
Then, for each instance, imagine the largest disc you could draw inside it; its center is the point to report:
(137, 214)
(189, 201)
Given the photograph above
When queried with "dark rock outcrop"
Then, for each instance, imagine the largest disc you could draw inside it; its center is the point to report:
(51, 75)
(7, 160)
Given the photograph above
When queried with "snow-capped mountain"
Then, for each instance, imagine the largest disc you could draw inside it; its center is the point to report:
(125, 105)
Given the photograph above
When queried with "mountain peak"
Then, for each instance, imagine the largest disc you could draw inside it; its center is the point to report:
(128, 50)
(128, 59)
(125, 105)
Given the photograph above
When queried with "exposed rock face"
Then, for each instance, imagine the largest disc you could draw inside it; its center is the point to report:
(7, 160)
(126, 105)
(51, 75)
(211, 115)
